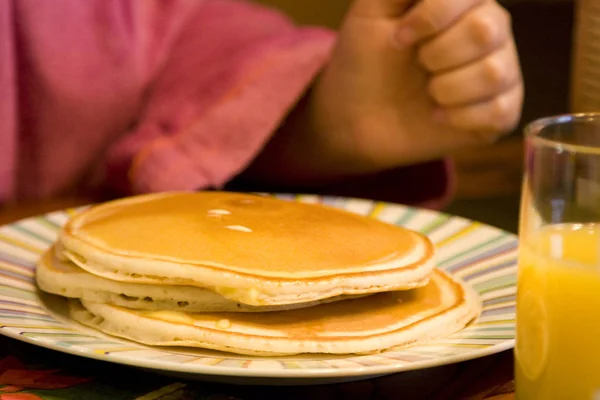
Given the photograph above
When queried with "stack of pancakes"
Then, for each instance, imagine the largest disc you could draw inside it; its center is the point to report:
(251, 275)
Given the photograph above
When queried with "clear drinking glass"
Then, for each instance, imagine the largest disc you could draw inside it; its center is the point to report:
(558, 299)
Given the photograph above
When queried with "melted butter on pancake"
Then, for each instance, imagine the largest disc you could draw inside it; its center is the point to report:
(218, 212)
(223, 324)
(239, 228)
(171, 316)
(249, 296)
(248, 234)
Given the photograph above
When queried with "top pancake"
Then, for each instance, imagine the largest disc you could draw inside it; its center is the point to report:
(254, 238)
(248, 234)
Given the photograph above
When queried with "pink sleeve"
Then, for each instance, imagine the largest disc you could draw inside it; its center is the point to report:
(8, 104)
(231, 77)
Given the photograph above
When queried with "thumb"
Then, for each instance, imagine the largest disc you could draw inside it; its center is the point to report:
(381, 8)
(430, 17)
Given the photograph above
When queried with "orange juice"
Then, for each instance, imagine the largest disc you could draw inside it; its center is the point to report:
(558, 314)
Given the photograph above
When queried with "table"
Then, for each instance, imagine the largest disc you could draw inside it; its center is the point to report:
(31, 373)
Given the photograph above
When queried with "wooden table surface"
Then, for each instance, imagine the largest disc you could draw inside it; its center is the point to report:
(487, 378)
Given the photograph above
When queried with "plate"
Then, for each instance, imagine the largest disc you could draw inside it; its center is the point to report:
(481, 255)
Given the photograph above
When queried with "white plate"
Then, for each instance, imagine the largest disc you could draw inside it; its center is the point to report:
(483, 256)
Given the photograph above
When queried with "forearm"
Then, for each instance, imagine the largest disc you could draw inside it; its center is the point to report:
(299, 159)
(307, 151)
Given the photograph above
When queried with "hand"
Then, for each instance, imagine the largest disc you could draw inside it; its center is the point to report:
(409, 82)
(467, 47)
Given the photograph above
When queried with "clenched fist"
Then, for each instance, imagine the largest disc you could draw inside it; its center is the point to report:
(411, 81)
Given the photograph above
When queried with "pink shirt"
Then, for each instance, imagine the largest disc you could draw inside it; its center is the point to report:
(149, 95)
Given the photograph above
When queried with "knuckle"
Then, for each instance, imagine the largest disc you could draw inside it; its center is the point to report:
(484, 31)
(506, 17)
(511, 123)
(502, 114)
(494, 71)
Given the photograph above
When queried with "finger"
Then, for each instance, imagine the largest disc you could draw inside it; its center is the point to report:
(380, 8)
(487, 119)
(429, 17)
(482, 31)
(479, 81)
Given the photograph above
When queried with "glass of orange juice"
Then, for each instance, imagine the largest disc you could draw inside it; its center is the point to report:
(557, 351)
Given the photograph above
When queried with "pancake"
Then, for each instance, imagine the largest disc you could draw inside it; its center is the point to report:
(67, 280)
(250, 249)
(366, 325)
